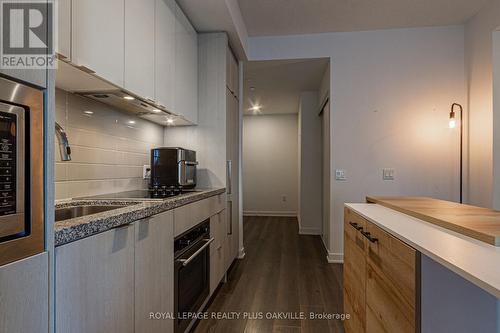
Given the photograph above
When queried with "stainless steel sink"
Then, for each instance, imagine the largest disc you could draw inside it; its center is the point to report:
(83, 210)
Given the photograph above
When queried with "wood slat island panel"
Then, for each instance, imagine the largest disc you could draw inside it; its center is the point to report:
(480, 223)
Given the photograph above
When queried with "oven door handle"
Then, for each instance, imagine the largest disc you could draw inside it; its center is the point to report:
(186, 262)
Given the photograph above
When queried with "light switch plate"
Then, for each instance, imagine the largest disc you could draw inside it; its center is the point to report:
(388, 174)
(340, 174)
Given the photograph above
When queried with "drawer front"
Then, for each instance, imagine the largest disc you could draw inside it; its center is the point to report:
(186, 217)
(392, 283)
(354, 272)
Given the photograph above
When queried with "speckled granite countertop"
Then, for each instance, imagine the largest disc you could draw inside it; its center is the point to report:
(71, 230)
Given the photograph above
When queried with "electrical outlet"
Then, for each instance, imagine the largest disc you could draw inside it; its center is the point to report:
(146, 171)
(340, 174)
(388, 174)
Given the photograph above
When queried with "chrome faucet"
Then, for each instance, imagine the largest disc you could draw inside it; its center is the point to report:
(64, 148)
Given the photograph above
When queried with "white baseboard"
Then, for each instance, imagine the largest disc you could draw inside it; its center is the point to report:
(335, 258)
(269, 213)
(309, 231)
(241, 253)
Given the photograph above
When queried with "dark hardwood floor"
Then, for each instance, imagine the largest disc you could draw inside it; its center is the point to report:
(281, 272)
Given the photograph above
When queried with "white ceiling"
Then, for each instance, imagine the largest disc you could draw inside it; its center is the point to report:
(216, 16)
(288, 17)
(278, 83)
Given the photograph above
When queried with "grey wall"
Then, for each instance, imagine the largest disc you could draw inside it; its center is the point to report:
(310, 176)
(453, 304)
(390, 94)
(108, 150)
(270, 161)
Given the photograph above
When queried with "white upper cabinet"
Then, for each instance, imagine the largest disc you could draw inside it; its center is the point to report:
(147, 47)
(165, 53)
(140, 47)
(98, 37)
(64, 28)
(186, 68)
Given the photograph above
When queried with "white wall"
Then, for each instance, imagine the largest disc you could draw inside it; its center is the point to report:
(310, 176)
(270, 160)
(107, 152)
(391, 91)
(496, 120)
(478, 56)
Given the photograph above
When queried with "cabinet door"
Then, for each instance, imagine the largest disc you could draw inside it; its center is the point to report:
(98, 37)
(154, 272)
(186, 68)
(24, 292)
(64, 29)
(354, 272)
(139, 76)
(95, 283)
(217, 265)
(391, 284)
(165, 53)
(232, 151)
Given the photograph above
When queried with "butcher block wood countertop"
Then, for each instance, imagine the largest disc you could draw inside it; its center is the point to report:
(480, 223)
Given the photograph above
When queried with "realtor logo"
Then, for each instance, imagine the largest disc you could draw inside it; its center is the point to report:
(27, 34)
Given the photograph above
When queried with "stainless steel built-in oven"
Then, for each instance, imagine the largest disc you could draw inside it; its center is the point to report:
(21, 171)
(192, 273)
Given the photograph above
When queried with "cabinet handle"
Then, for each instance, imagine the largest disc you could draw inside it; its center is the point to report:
(229, 166)
(356, 226)
(230, 211)
(122, 226)
(86, 69)
(61, 56)
(369, 236)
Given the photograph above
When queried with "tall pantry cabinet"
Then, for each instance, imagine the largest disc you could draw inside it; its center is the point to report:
(232, 153)
(216, 136)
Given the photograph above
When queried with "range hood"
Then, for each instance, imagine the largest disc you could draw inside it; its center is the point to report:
(80, 81)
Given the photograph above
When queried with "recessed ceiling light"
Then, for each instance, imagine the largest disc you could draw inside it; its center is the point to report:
(129, 98)
(131, 122)
(88, 112)
(156, 110)
(256, 108)
(170, 121)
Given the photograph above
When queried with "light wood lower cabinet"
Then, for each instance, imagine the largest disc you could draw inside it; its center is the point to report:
(381, 279)
(354, 273)
(154, 272)
(95, 283)
(24, 292)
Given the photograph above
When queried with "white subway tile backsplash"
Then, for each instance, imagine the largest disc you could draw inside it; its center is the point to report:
(108, 150)
(61, 172)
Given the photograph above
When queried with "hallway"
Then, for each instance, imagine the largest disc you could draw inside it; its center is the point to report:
(282, 272)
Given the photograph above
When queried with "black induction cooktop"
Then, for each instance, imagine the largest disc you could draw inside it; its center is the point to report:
(158, 193)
